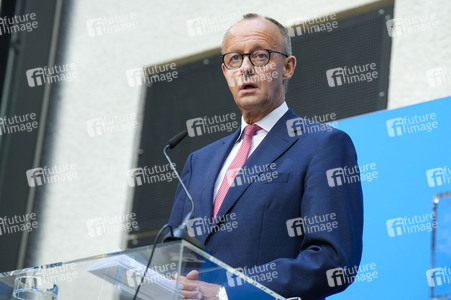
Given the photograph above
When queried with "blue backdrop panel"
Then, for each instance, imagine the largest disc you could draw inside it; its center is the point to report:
(405, 155)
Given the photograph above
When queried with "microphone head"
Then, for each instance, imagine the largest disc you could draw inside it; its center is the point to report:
(177, 139)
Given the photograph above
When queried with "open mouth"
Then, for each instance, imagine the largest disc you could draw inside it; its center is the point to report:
(248, 86)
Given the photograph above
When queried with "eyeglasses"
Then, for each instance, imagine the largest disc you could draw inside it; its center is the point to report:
(258, 58)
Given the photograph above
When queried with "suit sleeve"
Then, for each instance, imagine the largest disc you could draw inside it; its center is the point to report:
(306, 275)
(179, 208)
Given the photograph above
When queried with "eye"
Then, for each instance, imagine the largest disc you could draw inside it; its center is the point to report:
(234, 57)
(260, 55)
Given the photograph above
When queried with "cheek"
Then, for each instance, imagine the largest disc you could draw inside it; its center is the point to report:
(233, 80)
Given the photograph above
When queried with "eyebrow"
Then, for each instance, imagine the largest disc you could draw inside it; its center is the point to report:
(255, 48)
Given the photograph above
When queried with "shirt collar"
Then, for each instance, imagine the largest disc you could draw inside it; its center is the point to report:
(268, 121)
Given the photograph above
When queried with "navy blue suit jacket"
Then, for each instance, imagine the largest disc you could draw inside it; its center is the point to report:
(259, 222)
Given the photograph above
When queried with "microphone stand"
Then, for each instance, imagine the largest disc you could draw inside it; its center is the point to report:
(180, 233)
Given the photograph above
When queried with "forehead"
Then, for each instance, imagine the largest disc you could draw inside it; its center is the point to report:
(248, 35)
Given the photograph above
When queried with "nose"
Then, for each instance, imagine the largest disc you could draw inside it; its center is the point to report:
(247, 67)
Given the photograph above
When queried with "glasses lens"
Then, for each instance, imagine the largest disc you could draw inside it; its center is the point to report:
(260, 57)
(233, 60)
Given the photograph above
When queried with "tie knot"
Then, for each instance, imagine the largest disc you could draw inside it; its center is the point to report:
(251, 129)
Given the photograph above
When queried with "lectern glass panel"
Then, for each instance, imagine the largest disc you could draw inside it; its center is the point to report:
(118, 275)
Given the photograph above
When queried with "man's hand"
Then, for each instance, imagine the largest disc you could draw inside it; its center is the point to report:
(195, 289)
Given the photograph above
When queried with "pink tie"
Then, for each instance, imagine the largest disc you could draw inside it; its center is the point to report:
(235, 166)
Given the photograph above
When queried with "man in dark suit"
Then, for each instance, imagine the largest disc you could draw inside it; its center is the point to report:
(287, 188)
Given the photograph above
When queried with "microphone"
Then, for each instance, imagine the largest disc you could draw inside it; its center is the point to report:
(180, 233)
(174, 141)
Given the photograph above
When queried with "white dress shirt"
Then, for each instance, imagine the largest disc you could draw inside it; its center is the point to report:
(266, 123)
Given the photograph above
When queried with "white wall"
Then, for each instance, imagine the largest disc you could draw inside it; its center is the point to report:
(419, 49)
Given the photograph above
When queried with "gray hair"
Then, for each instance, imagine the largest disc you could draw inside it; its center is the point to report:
(286, 40)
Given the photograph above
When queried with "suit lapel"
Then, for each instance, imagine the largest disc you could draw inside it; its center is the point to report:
(217, 158)
(272, 147)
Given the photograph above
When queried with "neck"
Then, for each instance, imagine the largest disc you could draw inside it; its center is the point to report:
(252, 115)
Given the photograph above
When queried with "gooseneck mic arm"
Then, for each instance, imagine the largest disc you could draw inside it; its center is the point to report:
(181, 232)
(171, 144)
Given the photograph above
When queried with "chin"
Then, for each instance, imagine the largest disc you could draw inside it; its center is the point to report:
(249, 101)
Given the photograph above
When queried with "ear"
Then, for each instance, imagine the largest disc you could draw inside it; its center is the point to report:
(289, 66)
(223, 70)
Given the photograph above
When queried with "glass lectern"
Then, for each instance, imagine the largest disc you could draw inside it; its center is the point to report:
(117, 275)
